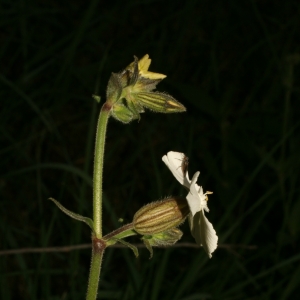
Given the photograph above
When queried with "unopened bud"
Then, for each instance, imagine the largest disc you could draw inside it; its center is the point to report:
(165, 238)
(114, 88)
(160, 216)
(122, 113)
(162, 239)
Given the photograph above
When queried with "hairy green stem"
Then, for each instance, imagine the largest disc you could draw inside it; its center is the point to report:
(122, 232)
(98, 244)
(98, 248)
(98, 169)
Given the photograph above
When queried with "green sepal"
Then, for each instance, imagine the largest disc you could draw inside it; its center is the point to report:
(159, 102)
(133, 248)
(97, 98)
(166, 238)
(162, 239)
(135, 74)
(71, 214)
(146, 240)
(146, 84)
(114, 88)
(121, 113)
(135, 108)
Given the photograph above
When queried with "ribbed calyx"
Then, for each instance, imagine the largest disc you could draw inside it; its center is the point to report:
(132, 90)
(160, 216)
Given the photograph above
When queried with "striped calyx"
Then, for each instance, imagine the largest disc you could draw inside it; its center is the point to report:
(133, 89)
(160, 216)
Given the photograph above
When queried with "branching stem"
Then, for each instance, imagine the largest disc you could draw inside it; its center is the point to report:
(98, 244)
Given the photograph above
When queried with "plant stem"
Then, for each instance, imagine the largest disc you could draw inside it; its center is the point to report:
(122, 232)
(98, 168)
(98, 248)
(98, 244)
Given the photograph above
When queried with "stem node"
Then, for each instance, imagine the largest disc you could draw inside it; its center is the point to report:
(98, 245)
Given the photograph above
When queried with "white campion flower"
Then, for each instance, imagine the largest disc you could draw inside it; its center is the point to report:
(201, 229)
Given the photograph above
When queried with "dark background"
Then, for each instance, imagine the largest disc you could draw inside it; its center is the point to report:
(233, 64)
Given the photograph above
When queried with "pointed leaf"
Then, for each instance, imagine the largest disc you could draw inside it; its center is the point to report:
(133, 248)
(78, 217)
(146, 241)
(97, 98)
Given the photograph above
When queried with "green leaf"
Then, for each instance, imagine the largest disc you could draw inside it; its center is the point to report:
(133, 248)
(147, 243)
(97, 98)
(78, 217)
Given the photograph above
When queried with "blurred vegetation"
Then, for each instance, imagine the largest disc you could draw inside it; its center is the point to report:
(233, 64)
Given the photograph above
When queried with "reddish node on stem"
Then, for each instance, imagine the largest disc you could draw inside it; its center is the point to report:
(106, 107)
(98, 244)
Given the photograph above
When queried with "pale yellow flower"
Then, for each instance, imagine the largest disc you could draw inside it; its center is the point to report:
(143, 65)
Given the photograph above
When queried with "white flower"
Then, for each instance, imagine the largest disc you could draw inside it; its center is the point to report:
(173, 160)
(201, 229)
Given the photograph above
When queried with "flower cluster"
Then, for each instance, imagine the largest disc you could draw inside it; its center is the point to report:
(201, 229)
(132, 90)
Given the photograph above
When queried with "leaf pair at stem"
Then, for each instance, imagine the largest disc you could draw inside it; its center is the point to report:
(156, 222)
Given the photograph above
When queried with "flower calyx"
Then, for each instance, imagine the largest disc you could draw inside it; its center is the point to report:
(157, 222)
(160, 216)
(162, 239)
(132, 90)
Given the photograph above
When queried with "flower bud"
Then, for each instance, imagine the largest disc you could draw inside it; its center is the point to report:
(162, 239)
(122, 113)
(160, 216)
(114, 88)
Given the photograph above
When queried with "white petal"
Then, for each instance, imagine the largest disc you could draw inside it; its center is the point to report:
(193, 197)
(197, 200)
(204, 233)
(202, 230)
(209, 235)
(173, 161)
(191, 222)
